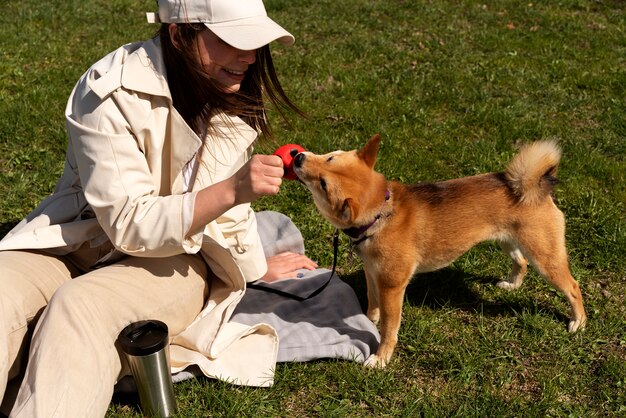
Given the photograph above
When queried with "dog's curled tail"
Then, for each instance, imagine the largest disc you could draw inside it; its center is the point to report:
(531, 174)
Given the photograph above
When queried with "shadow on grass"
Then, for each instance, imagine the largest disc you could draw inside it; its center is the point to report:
(450, 287)
(128, 401)
(6, 227)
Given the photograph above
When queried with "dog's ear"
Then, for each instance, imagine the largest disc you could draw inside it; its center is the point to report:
(369, 151)
(350, 210)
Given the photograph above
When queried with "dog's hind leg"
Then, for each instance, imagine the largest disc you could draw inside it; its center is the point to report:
(516, 277)
(554, 267)
(547, 253)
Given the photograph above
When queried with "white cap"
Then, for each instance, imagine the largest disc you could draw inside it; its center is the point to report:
(243, 24)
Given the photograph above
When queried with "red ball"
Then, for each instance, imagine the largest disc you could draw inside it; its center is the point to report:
(287, 153)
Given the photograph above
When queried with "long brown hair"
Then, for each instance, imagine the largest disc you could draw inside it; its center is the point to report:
(198, 97)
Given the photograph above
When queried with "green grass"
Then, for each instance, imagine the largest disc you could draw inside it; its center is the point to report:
(453, 87)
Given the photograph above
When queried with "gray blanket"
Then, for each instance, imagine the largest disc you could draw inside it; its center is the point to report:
(329, 325)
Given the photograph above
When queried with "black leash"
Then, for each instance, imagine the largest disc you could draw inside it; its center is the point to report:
(257, 285)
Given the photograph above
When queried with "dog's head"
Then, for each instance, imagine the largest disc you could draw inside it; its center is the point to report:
(345, 188)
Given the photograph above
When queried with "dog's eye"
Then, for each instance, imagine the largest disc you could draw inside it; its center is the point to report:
(330, 159)
(323, 184)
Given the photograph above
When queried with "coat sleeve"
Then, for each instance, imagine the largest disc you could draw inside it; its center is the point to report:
(117, 180)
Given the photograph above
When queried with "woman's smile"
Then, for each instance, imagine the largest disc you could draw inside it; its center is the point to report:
(235, 75)
(225, 63)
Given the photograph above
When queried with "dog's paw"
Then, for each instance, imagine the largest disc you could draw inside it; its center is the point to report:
(503, 284)
(375, 362)
(576, 325)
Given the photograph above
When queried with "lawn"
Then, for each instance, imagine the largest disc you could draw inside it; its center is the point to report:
(453, 87)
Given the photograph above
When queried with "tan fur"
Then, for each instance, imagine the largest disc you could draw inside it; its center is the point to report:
(424, 227)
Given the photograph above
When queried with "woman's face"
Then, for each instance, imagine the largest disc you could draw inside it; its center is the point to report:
(224, 63)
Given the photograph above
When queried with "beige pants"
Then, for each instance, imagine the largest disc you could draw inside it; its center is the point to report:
(72, 363)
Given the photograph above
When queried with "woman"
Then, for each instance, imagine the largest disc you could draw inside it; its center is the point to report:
(151, 218)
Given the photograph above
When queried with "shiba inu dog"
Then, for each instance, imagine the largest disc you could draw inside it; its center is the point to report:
(399, 230)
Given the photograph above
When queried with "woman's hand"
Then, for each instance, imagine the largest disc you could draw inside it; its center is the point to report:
(286, 265)
(261, 175)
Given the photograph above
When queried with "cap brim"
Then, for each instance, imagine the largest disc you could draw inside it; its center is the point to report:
(251, 33)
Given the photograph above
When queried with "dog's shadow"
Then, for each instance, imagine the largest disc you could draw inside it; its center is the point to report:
(450, 287)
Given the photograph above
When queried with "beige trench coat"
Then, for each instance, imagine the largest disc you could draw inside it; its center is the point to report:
(120, 114)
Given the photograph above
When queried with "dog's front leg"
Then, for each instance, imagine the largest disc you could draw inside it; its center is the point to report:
(373, 311)
(391, 298)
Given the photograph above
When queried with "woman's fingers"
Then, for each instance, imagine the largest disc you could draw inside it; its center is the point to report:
(261, 175)
(286, 265)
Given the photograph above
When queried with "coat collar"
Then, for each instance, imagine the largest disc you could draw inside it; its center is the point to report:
(137, 66)
(144, 70)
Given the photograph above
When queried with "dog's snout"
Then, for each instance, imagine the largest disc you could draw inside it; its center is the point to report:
(298, 160)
